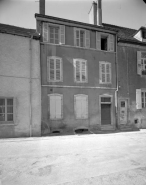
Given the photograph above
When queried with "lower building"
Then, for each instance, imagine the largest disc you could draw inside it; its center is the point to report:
(20, 89)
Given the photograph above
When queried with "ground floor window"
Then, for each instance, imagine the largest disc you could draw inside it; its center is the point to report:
(140, 98)
(6, 109)
(56, 106)
(81, 106)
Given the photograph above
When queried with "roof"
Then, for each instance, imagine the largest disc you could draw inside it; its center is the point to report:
(14, 30)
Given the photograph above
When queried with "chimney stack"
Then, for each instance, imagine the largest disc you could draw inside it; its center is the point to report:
(95, 13)
(42, 7)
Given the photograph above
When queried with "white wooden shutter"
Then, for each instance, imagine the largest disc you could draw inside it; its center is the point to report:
(58, 69)
(84, 106)
(75, 36)
(51, 69)
(62, 34)
(98, 41)
(45, 32)
(52, 107)
(102, 72)
(58, 111)
(87, 38)
(138, 99)
(139, 66)
(108, 72)
(110, 42)
(78, 106)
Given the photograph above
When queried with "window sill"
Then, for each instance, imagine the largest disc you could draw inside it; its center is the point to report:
(6, 123)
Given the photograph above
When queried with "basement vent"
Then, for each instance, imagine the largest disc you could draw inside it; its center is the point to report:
(56, 132)
(81, 130)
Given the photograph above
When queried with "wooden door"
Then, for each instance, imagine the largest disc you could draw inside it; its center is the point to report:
(105, 114)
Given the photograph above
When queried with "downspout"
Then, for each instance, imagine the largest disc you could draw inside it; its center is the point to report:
(117, 85)
(30, 81)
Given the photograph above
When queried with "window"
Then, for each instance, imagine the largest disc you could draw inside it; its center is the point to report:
(104, 41)
(141, 62)
(105, 72)
(81, 106)
(53, 33)
(81, 38)
(140, 98)
(56, 106)
(6, 110)
(80, 70)
(54, 69)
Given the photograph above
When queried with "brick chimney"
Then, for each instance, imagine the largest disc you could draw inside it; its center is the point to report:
(42, 7)
(95, 13)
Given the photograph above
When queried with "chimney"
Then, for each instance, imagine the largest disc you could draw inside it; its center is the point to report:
(95, 13)
(42, 7)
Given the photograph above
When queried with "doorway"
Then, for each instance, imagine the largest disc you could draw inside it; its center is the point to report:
(105, 103)
(123, 103)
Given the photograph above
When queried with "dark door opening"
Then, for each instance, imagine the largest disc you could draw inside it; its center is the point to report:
(105, 114)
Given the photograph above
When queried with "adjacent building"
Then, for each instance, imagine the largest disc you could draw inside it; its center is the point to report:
(20, 92)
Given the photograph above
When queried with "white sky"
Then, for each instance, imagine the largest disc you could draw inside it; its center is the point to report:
(128, 13)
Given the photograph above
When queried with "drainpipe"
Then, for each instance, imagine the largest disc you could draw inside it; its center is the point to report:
(30, 81)
(117, 88)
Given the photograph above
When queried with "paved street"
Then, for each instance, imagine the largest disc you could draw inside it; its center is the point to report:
(101, 159)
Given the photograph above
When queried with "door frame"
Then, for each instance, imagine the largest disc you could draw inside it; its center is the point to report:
(102, 96)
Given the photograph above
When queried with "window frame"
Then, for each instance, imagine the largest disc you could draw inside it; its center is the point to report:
(6, 122)
(86, 71)
(60, 95)
(143, 102)
(87, 107)
(100, 72)
(84, 38)
(48, 69)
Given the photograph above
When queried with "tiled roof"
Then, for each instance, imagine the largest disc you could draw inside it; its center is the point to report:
(14, 30)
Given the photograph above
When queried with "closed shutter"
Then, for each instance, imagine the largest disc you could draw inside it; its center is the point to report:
(110, 42)
(81, 106)
(45, 32)
(52, 107)
(98, 41)
(58, 70)
(87, 39)
(108, 73)
(138, 99)
(76, 37)
(56, 107)
(62, 34)
(102, 73)
(139, 66)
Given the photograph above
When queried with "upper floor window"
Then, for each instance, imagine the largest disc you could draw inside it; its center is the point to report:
(80, 70)
(104, 41)
(54, 69)
(53, 33)
(82, 37)
(6, 110)
(105, 72)
(141, 62)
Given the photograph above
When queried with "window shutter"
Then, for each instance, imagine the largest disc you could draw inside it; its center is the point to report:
(78, 106)
(98, 41)
(75, 36)
(45, 32)
(110, 42)
(102, 72)
(77, 71)
(139, 67)
(58, 69)
(83, 71)
(51, 69)
(58, 107)
(108, 73)
(84, 106)
(87, 40)
(62, 34)
(138, 99)
(52, 107)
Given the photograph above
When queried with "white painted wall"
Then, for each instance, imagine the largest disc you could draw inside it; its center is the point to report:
(15, 82)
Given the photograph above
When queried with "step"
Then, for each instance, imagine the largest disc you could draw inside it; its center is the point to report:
(107, 127)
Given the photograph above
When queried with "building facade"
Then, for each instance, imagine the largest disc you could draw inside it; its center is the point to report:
(20, 92)
(78, 67)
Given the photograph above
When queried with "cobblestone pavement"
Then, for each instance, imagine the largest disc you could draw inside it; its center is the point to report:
(97, 159)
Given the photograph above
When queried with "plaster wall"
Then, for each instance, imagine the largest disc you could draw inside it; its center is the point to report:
(15, 68)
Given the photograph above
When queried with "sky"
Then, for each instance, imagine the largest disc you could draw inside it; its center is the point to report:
(127, 13)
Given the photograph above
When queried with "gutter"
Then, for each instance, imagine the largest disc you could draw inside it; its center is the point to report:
(30, 81)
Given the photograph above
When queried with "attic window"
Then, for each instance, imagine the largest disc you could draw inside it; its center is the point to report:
(144, 34)
(104, 42)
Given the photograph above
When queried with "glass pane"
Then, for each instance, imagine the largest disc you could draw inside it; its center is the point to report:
(105, 99)
(10, 102)
(2, 117)
(9, 117)
(2, 102)
(2, 109)
(9, 109)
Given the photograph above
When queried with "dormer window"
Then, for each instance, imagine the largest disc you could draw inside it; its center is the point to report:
(144, 34)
